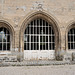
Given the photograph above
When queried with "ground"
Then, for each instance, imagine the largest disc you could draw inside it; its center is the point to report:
(38, 70)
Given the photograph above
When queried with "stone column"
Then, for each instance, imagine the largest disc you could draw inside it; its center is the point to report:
(63, 40)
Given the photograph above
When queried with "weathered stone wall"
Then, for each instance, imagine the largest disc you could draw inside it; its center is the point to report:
(14, 12)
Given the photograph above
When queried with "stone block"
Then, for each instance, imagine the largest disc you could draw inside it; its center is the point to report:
(67, 57)
(73, 56)
(11, 59)
(8, 58)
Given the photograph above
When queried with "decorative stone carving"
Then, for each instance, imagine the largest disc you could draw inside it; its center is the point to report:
(38, 5)
(16, 20)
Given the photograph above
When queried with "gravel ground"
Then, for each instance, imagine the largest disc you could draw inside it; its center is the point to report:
(38, 70)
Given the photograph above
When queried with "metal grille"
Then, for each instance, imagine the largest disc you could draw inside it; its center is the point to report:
(39, 35)
(4, 39)
(71, 39)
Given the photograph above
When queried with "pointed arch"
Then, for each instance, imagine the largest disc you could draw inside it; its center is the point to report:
(70, 25)
(46, 16)
(7, 24)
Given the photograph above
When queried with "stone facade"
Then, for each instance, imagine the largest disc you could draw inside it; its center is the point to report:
(15, 15)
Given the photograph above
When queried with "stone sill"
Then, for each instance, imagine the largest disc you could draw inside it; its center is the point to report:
(5, 52)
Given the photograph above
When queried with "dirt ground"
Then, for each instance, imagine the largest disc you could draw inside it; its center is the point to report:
(38, 70)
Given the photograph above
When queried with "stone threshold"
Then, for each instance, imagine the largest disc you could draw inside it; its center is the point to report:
(37, 63)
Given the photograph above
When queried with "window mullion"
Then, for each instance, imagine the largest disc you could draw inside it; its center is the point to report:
(36, 33)
(48, 36)
(33, 34)
(39, 34)
(42, 35)
(73, 38)
(45, 36)
(2, 42)
(70, 41)
(2, 39)
(29, 37)
(6, 40)
(51, 38)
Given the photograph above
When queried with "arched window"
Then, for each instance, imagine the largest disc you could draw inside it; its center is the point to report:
(71, 39)
(39, 35)
(4, 39)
